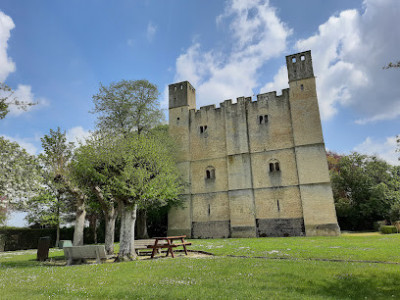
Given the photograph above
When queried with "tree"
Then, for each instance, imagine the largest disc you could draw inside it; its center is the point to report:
(136, 171)
(56, 157)
(7, 99)
(364, 190)
(93, 167)
(19, 175)
(148, 178)
(127, 106)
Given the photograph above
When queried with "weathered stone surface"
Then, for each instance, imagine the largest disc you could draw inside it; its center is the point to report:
(212, 229)
(280, 227)
(251, 161)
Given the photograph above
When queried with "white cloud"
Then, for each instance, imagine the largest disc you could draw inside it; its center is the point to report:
(385, 149)
(349, 52)
(77, 134)
(24, 143)
(258, 35)
(7, 66)
(23, 94)
(151, 31)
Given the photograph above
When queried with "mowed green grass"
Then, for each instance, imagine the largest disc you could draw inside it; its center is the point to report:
(221, 277)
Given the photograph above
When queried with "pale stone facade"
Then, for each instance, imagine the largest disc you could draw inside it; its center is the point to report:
(253, 168)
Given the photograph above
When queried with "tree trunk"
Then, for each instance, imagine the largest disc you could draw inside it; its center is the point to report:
(58, 223)
(79, 223)
(141, 224)
(93, 226)
(58, 234)
(128, 219)
(110, 218)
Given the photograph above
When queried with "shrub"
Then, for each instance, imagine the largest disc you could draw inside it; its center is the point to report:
(388, 229)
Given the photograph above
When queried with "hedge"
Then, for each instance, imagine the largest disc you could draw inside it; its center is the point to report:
(388, 229)
(27, 238)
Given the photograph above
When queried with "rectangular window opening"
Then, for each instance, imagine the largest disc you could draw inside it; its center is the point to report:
(278, 205)
(271, 167)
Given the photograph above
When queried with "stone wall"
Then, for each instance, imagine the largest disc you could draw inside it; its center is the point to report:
(253, 168)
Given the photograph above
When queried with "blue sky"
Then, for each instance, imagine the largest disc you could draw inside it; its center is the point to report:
(57, 53)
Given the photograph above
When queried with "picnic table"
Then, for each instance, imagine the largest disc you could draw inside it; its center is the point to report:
(168, 243)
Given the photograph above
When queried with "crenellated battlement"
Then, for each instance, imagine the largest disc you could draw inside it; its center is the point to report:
(242, 101)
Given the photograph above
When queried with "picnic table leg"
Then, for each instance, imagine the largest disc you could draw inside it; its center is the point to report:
(170, 248)
(184, 246)
(154, 249)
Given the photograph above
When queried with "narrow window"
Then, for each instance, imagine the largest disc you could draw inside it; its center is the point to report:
(293, 59)
(302, 87)
(210, 173)
(271, 167)
(303, 58)
(203, 129)
(277, 166)
(260, 119)
(174, 88)
(265, 119)
(209, 209)
(181, 87)
(277, 204)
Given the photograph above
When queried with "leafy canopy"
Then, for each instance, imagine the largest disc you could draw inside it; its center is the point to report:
(127, 106)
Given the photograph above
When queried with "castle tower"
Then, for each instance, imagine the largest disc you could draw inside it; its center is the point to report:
(314, 182)
(253, 168)
(182, 98)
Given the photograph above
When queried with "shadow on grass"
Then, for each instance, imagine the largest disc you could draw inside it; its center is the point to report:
(348, 286)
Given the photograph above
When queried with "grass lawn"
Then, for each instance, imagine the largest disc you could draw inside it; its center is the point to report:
(300, 276)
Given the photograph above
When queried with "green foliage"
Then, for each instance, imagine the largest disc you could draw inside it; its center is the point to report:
(7, 99)
(127, 106)
(365, 190)
(388, 229)
(57, 152)
(19, 173)
(52, 199)
(137, 169)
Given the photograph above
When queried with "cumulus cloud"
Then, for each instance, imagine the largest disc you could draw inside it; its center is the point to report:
(7, 66)
(349, 51)
(24, 143)
(23, 93)
(258, 34)
(77, 134)
(151, 31)
(385, 149)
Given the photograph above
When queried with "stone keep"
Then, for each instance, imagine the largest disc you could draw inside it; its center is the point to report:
(253, 168)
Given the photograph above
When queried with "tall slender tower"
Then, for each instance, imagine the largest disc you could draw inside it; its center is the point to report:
(182, 98)
(314, 182)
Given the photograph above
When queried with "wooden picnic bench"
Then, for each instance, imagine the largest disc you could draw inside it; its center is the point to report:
(74, 253)
(168, 243)
(142, 244)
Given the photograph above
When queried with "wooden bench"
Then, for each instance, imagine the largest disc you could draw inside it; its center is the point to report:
(168, 243)
(74, 253)
(142, 244)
